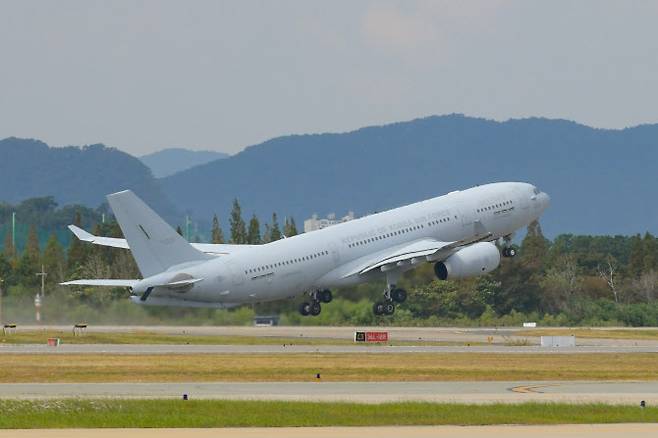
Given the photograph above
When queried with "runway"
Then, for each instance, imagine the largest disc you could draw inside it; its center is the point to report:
(292, 349)
(507, 431)
(363, 392)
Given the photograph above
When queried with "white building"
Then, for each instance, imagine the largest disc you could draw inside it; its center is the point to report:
(315, 223)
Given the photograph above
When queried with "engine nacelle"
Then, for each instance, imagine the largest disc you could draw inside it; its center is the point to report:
(471, 261)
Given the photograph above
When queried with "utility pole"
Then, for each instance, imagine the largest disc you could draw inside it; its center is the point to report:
(13, 230)
(1, 281)
(38, 300)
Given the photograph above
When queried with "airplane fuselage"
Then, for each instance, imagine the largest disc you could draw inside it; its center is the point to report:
(335, 256)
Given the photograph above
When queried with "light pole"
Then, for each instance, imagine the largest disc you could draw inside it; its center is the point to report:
(39, 298)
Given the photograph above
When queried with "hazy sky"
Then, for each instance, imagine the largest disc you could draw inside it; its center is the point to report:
(143, 75)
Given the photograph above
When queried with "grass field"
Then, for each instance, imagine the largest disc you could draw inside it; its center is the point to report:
(217, 413)
(650, 334)
(333, 367)
(145, 337)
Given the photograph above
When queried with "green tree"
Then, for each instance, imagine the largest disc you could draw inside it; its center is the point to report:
(53, 260)
(650, 253)
(275, 231)
(32, 246)
(534, 247)
(253, 235)
(77, 252)
(9, 250)
(6, 274)
(26, 270)
(289, 227)
(636, 258)
(216, 234)
(238, 228)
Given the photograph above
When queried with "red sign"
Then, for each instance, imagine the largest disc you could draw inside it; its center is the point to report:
(376, 336)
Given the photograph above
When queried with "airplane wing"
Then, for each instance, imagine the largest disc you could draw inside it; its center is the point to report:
(208, 248)
(112, 282)
(414, 253)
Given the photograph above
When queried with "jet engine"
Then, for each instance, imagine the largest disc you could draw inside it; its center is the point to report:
(471, 261)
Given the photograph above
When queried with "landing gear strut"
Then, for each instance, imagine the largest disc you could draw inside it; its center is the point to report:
(314, 308)
(392, 295)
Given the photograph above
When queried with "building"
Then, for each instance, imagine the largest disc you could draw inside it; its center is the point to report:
(315, 223)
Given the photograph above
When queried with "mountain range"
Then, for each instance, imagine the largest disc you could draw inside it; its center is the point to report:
(75, 175)
(601, 181)
(170, 161)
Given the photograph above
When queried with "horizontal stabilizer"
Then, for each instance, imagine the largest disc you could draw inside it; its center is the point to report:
(97, 240)
(215, 249)
(106, 282)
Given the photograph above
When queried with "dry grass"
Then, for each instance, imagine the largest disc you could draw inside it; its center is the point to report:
(650, 334)
(333, 367)
(146, 337)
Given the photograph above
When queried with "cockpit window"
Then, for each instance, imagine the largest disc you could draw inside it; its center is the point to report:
(535, 190)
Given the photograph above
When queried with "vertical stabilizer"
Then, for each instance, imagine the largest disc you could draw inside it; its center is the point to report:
(155, 246)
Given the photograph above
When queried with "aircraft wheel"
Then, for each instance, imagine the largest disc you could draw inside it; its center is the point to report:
(511, 252)
(399, 295)
(315, 308)
(326, 296)
(305, 309)
(378, 308)
(389, 308)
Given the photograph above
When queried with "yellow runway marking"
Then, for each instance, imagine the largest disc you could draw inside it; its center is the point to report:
(533, 389)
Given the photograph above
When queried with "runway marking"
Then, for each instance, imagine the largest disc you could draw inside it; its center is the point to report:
(533, 389)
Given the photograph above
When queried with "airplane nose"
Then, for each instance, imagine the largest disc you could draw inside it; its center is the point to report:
(545, 200)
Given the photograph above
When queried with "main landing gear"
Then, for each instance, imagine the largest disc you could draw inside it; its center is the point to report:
(509, 252)
(392, 295)
(314, 308)
(508, 249)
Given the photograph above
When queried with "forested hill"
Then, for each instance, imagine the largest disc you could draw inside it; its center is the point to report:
(600, 181)
(74, 175)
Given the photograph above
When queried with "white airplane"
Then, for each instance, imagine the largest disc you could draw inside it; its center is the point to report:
(456, 232)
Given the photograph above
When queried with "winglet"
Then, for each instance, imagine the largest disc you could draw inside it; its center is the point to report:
(81, 234)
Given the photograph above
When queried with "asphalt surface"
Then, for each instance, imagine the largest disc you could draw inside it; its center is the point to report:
(291, 349)
(507, 431)
(365, 392)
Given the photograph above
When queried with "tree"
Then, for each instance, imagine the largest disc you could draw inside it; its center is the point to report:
(636, 258)
(534, 247)
(53, 260)
(560, 284)
(216, 234)
(238, 228)
(650, 253)
(289, 227)
(275, 231)
(608, 272)
(9, 250)
(77, 252)
(32, 246)
(253, 235)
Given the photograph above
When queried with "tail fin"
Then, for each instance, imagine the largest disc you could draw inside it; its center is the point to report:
(155, 246)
